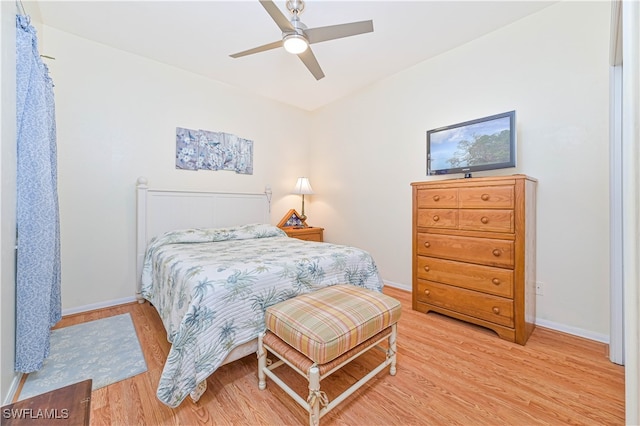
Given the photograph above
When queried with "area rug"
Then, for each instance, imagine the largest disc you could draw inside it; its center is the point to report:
(105, 350)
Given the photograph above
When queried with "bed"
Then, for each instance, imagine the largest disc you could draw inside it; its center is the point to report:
(211, 264)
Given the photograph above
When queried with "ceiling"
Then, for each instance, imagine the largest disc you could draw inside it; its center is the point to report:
(199, 36)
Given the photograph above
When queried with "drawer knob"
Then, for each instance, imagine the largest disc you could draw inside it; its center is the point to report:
(426, 268)
(436, 218)
(496, 252)
(484, 220)
(427, 292)
(436, 198)
(485, 197)
(496, 310)
(495, 281)
(427, 244)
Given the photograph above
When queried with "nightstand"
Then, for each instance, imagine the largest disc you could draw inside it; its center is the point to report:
(310, 233)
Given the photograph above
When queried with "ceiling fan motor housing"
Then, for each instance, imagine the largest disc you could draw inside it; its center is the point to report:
(295, 6)
(298, 27)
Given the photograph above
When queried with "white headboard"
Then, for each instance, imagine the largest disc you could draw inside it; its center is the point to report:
(159, 211)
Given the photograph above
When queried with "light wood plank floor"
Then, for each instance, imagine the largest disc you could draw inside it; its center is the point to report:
(449, 372)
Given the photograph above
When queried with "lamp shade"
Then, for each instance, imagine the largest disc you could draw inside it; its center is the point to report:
(302, 187)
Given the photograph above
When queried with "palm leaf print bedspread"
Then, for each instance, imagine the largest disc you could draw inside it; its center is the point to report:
(211, 288)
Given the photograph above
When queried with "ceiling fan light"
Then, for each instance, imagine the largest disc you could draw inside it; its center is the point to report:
(295, 43)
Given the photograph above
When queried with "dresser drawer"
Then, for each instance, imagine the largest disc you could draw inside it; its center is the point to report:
(495, 309)
(488, 197)
(487, 220)
(486, 279)
(310, 237)
(438, 218)
(486, 251)
(310, 233)
(437, 198)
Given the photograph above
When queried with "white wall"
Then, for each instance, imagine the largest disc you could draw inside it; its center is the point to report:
(116, 119)
(553, 70)
(117, 115)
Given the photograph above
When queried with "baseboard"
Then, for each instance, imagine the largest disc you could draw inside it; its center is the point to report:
(101, 305)
(15, 383)
(398, 285)
(575, 331)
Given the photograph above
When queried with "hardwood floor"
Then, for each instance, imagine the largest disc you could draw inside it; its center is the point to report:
(449, 372)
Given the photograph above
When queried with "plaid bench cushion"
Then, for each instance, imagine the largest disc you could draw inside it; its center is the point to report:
(328, 322)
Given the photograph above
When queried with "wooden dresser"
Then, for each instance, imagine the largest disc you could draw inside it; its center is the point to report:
(474, 252)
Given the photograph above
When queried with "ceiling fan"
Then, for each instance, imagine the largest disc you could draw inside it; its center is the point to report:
(296, 37)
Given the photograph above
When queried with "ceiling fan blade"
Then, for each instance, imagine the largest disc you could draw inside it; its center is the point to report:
(309, 60)
(277, 16)
(258, 49)
(332, 32)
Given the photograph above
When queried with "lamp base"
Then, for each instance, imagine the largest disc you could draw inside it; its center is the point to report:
(303, 216)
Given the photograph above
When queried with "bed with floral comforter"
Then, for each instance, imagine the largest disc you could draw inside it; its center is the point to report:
(211, 288)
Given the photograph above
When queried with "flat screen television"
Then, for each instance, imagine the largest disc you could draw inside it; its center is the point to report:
(483, 144)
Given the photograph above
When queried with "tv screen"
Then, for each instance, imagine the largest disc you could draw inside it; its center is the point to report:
(484, 144)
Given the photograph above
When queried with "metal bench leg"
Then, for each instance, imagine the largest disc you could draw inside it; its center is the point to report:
(262, 363)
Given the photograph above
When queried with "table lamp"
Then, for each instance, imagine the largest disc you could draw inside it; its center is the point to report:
(303, 187)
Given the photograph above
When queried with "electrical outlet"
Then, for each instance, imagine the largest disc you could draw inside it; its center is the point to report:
(539, 288)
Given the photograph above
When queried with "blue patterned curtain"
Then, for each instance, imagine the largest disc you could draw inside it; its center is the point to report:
(38, 304)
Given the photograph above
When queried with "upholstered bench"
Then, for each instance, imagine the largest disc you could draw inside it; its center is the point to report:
(318, 333)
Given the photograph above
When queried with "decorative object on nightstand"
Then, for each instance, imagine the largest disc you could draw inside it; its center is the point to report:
(303, 187)
(296, 227)
(292, 219)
